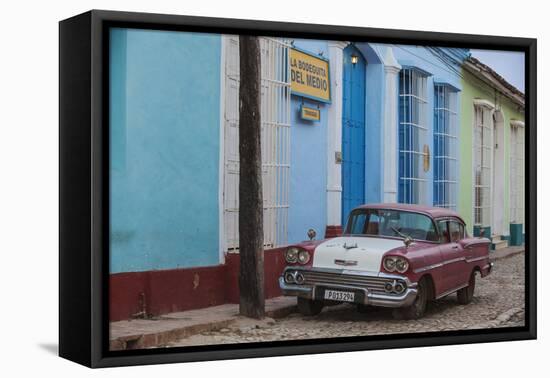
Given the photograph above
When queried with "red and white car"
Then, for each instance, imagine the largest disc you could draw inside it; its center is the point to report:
(390, 255)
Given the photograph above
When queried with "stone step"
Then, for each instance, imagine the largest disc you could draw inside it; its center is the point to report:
(500, 244)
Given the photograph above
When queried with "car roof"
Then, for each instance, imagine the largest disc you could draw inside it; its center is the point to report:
(434, 212)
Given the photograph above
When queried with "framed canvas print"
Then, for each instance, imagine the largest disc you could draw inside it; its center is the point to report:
(234, 188)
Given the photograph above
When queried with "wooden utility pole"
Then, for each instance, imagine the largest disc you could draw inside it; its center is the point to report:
(251, 230)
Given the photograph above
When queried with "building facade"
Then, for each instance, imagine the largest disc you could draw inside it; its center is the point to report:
(343, 124)
(492, 179)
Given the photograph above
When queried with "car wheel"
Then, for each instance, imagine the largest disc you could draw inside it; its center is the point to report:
(309, 307)
(466, 294)
(418, 308)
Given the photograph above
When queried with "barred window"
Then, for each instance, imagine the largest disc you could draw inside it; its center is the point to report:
(445, 146)
(483, 165)
(517, 169)
(413, 132)
(275, 121)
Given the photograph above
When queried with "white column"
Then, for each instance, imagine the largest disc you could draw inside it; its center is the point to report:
(334, 130)
(390, 128)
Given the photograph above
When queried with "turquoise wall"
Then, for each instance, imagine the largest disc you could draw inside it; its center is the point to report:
(164, 147)
(308, 163)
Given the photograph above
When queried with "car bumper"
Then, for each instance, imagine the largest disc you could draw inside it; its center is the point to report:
(308, 291)
(487, 269)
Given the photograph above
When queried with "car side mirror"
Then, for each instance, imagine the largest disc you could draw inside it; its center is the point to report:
(311, 233)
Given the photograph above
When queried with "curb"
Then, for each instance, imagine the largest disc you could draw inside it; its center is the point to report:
(510, 254)
(158, 339)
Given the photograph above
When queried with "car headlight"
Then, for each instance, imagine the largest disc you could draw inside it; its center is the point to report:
(401, 265)
(303, 257)
(291, 255)
(396, 263)
(389, 264)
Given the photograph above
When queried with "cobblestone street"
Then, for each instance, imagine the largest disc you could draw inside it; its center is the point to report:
(498, 302)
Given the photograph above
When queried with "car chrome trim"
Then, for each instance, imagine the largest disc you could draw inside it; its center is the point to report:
(359, 273)
(477, 259)
(440, 264)
(373, 299)
(345, 262)
(450, 291)
(428, 267)
(476, 242)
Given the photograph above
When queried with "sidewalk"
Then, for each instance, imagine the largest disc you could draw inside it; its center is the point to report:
(147, 333)
(159, 331)
(506, 252)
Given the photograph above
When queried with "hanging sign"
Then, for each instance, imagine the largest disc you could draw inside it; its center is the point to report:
(310, 114)
(309, 76)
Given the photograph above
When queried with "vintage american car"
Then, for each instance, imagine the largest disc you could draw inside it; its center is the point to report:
(391, 255)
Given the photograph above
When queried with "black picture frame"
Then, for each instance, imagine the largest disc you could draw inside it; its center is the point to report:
(84, 199)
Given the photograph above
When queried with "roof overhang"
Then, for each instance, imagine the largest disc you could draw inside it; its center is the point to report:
(485, 75)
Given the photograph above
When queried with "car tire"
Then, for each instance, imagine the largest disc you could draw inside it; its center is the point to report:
(309, 307)
(418, 308)
(466, 294)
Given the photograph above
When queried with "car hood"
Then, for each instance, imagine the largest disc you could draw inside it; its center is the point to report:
(353, 253)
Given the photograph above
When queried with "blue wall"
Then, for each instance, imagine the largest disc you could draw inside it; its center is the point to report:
(164, 131)
(308, 163)
(422, 58)
(374, 150)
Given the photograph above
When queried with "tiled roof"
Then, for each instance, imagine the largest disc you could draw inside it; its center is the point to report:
(488, 70)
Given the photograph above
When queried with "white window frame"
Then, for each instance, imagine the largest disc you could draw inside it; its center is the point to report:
(275, 140)
(415, 124)
(517, 172)
(445, 146)
(482, 160)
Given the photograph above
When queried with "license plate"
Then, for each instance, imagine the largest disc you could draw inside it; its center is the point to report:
(341, 296)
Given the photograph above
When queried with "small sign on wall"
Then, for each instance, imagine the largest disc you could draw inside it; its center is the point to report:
(310, 114)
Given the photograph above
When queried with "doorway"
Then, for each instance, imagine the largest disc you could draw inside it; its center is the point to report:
(353, 131)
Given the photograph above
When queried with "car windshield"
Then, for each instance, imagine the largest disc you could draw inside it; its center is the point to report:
(391, 223)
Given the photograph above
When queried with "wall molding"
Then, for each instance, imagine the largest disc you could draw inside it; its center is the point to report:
(334, 133)
(389, 133)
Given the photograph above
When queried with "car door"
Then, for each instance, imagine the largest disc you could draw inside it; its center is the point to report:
(452, 255)
(462, 268)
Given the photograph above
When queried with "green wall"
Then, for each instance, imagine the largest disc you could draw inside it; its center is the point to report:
(474, 88)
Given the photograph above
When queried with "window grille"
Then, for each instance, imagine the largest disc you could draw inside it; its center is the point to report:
(483, 165)
(412, 136)
(275, 123)
(445, 147)
(517, 175)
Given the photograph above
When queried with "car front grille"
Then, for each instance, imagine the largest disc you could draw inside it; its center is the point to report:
(373, 284)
